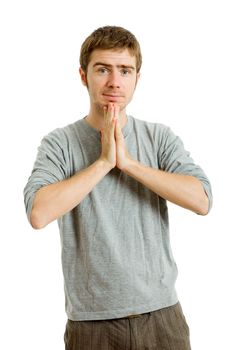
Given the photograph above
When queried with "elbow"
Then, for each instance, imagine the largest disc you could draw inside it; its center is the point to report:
(36, 221)
(202, 212)
(203, 208)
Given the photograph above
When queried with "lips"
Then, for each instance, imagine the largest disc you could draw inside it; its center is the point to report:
(112, 95)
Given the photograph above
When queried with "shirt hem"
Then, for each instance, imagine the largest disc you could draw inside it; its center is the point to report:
(114, 314)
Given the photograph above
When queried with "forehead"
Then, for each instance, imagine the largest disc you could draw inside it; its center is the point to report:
(113, 57)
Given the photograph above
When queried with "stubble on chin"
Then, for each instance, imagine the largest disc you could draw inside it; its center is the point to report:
(100, 108)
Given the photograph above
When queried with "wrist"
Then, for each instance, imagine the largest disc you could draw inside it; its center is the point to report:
(129, 164)
(105, 164)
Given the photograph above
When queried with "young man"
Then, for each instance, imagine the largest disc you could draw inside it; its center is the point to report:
(106, 179)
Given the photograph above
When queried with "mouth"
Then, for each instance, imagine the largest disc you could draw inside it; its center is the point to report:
(112, 97)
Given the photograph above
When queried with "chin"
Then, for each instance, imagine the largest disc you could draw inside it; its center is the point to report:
(101, 105)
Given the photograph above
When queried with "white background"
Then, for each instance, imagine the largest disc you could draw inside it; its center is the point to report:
(186, 82)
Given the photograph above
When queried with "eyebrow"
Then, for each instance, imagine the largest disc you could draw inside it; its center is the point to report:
(110, 65)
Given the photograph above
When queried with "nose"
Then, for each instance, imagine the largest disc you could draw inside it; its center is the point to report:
(114, 80)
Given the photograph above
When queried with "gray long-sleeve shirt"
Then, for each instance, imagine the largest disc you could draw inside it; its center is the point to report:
(116, 253)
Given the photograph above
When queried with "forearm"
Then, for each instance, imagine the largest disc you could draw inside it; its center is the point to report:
(55, 200)
(183, 190)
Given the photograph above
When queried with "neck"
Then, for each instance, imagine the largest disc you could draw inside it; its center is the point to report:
(95, 118)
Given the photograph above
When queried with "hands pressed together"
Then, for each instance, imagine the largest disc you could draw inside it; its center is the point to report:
(114, 150)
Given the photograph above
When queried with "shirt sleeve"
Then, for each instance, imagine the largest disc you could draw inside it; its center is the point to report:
(174, 158)
(50, 166)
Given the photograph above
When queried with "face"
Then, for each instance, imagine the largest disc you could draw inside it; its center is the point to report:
(111, 77)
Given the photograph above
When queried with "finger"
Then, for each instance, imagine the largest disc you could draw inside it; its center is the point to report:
(113, 125)
(111, 118)
(116, 111)
(108, 116)
(111, 111)
(105, 108)
(118, 131)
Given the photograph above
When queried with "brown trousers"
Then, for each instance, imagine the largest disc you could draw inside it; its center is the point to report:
(164, 329)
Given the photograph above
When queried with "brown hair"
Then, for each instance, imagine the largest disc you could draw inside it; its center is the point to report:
(107, 38)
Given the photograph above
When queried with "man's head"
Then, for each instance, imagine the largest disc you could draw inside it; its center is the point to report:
(110, 61)
(110, 38)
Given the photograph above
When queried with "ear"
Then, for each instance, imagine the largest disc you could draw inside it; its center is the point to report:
(83, 76)
(137, 78)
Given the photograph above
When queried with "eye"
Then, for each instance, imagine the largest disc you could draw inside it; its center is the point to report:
(103, 70)
(125, 71)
